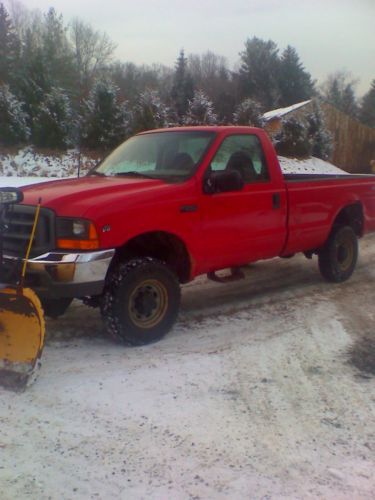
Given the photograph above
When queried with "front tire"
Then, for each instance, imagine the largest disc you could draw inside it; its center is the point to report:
(338, 257)
(141, 301)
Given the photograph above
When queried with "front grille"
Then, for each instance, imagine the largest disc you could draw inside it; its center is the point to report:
(18, 221)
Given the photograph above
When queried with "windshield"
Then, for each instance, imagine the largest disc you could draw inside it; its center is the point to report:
(161, 155)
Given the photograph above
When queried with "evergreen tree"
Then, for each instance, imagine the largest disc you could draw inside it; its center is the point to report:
(259, 72)
(295, 82)
(248, 112)
(33, 82)
(338, 90)
(150, 112)
(200, 111)
(367, 111)
(13, 124)
(319, 136)
(9, 48)
(56, 51)
(293, 139)
(333, 93)
(348, 102)
(53, 124)
(182, 87)
(106, 119)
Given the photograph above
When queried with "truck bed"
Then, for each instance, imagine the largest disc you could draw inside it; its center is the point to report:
(314, 200)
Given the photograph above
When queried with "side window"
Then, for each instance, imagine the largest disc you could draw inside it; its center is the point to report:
(242, 153)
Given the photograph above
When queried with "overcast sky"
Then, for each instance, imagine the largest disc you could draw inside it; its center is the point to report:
(329, 35)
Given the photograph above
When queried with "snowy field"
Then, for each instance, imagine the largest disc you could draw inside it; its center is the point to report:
(27, 162)
(252, 395)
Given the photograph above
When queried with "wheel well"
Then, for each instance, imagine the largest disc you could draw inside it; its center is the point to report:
(160, 245)
(352, 216)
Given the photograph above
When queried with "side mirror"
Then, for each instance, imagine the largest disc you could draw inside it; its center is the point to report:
(9, 195)
(221, 182)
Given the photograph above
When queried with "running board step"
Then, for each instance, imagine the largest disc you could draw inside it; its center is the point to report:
(235, 275)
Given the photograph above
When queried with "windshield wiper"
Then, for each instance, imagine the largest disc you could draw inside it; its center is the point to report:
(133, 173)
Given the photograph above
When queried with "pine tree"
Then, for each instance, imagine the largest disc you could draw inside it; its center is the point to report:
(338, 90)
(248, 112)
(367, 111)
(13, 123)
(53, 123)
(259, 72)
(319, 136)
(150, 112)
(33, 83)
(333, 93)
(293, 139)
(348, 101)
(182, 87)
(56, 50)
(106, 119)
(200, 111)
(9, 48)
(295, 82)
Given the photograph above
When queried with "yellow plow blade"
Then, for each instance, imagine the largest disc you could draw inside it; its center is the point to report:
(22, 331)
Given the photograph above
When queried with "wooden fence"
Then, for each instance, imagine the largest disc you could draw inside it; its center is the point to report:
(354, 143)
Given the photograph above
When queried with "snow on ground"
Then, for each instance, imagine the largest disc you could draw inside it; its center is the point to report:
(252, 395)
(23, 181)
(28, 162)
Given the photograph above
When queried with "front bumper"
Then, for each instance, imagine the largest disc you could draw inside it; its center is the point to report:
(59, 274)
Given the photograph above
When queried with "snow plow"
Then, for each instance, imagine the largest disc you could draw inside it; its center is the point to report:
(21, 315)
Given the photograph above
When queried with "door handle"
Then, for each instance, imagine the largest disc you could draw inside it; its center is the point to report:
(188, 208)
(276, 200)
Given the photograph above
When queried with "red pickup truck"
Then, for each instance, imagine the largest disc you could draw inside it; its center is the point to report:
(168, 205)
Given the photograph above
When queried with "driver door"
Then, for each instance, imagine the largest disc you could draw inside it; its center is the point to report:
(246, 225)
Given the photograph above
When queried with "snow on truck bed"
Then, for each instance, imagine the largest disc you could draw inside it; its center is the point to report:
(308, 166)
(27, 168)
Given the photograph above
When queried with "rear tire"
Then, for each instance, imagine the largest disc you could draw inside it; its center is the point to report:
(141, 301)
(338, 257)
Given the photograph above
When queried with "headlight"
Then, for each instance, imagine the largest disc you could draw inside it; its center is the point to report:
(10, 195)
(76, 234)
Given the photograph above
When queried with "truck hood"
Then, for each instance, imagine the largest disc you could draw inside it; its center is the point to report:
(74, 197)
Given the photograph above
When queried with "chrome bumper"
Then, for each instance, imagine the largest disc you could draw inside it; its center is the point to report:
(68, 274)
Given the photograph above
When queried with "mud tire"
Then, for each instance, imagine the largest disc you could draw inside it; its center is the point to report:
(338, 257)
(141, 301)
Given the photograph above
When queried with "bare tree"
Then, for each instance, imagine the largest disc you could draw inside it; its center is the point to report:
(211, 74)
(92, 51)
